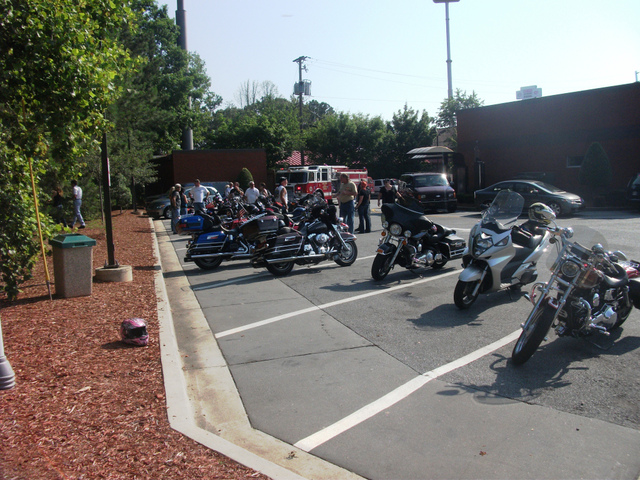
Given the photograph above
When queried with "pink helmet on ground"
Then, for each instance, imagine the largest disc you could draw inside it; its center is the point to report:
(134, 331)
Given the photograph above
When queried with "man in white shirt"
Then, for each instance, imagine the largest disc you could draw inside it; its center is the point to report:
(199, 194)
(77, 203)
(251, 194)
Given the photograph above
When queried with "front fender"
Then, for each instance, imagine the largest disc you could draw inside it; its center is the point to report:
(472, 273)
(385, 249)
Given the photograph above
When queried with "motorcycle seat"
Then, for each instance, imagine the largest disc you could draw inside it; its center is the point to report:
(620, 280)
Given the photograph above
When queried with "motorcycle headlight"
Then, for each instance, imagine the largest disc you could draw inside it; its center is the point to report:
(481, 244)
(395, 229)
(570, 269)
(407, 233)
(385, 224)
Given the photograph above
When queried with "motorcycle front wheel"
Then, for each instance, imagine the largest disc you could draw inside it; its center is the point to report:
(280, 269)
(347, 256)
(533, 334)
(463, 295)
(208, 263)
(381, 266)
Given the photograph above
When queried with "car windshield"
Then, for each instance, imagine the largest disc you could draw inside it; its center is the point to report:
(296, 177)
(430, 181)
(548, 187)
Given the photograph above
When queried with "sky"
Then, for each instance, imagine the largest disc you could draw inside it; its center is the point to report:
(373, 57)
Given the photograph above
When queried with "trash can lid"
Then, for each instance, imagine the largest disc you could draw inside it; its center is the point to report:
(72, 240)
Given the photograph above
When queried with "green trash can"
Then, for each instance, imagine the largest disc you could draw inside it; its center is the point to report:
(73, 264)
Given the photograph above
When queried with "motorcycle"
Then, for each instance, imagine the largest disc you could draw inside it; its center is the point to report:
(411, 240)
(589, 291)
(214, 240)
(501, 254)
(319, 236)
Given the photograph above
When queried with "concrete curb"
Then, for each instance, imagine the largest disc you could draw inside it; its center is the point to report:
(201, 395)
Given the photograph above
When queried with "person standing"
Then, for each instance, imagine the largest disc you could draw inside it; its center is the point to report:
(388, 193)
(184, 202)
(346, 197)
(363, 206)
(77, 203)
(252, 193)
(264, 192)
(282, 198)
(58, 201)
(174, 196)
(199, 194)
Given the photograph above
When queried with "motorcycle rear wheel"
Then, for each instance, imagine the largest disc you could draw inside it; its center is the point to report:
(208, 263)
(381, 266)
(347, 256)
(280, 269)
(533, 334)
(463, 295)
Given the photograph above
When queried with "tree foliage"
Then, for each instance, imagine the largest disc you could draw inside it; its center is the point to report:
(448, 114)
(58, 70)
(596, 170)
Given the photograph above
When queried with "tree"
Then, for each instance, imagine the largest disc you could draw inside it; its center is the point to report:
(58, 72)
(448, 113)
(595, 171)
(244, 177)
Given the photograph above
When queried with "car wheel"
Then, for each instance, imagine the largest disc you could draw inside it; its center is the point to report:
(555, 206)
(167, 213)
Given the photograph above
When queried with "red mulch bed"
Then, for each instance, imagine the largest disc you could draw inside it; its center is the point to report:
(86, 405)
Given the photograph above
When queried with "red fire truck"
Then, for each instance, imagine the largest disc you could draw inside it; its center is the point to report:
(311, 178)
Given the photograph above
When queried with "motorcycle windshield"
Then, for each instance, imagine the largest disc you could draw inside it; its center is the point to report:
(504, 210)
(400, 214)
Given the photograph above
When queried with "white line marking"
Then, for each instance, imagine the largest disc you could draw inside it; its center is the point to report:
(393, 397)
(261, 323)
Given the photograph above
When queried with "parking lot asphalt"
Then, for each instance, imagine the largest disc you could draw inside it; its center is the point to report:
(231, 413)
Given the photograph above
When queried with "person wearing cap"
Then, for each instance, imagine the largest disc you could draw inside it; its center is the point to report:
(174, 197)
(364, 212)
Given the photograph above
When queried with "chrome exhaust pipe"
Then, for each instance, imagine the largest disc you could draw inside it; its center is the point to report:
(293, 259)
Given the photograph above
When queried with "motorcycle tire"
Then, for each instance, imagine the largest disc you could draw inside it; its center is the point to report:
(463, 295)
(381, 266)
(280, 269)
(439, 265)
(623, 314)
(208, 263)
(346, 257)
(533, 335)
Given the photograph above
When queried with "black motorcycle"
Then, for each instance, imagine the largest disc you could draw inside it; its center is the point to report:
(590, 291)
(411, 240)
(318, 237)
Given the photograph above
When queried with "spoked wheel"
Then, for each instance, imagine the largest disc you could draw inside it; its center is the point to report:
(381, 266)
(532, 334)
(208, 263)
(555, 206)
(280, 269)
(463, 295)
(346, 256)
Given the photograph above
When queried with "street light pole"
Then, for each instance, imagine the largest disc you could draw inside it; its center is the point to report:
(449, 81)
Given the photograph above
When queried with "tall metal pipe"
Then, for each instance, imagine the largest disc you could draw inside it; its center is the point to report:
(181, 22)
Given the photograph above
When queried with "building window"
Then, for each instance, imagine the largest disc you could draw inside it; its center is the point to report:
(575, 162)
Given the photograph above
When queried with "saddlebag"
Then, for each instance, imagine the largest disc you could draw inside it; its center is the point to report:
(634, 292)
(285, 245)
(457, 245)
(257, 227)
(188, 224)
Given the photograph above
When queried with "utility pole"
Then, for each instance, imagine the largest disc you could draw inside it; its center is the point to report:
(300, 90)
(181, 22)
(449, 81)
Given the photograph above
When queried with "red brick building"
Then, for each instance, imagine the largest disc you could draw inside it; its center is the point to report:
(184, 166)
(549, 137)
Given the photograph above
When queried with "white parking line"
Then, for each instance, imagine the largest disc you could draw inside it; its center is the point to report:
(393, 397)
(261, 323)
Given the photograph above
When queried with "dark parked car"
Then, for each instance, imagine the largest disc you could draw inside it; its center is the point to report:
(161, 206)
(561, 202)
(633, 191)
(432, 190)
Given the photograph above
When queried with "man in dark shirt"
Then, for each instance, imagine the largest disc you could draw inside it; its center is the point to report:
(363, 206)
